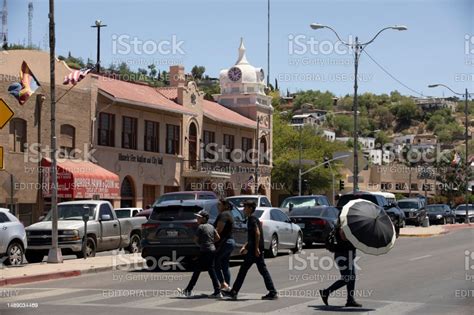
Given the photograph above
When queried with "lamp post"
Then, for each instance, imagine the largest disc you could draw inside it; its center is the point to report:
(358, 47)
(98, 25)
(466, 138)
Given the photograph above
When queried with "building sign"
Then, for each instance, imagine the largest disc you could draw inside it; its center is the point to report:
(140, 159)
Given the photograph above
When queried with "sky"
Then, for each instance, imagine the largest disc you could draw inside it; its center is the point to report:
(438, 46)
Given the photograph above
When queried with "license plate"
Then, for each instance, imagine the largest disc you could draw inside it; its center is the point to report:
(301, 225)
(172, 233)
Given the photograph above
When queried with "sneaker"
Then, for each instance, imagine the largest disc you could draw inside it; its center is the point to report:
(353, 303)
(225, 289)
(324, 296)
(184, 292)
(230, 294)
(270, 296)
(215, 295)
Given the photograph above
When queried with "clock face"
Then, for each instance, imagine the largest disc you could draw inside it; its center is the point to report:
(234, 74)
(262, 75)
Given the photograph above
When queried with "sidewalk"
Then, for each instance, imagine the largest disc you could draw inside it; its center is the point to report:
(69, 268)
(432, 230)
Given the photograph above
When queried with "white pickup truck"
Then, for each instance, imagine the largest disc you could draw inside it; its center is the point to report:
(104, 231)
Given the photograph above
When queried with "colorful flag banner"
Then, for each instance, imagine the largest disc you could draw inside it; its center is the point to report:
(76, 76)
(27, 86)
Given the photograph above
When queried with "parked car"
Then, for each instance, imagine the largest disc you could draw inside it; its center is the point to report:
(304, 201)
(279, 232)
(172, 225)
(414, 209)
(260, 200)
(315, 222)
(104, 230)
(13, 241)
(392, 211)
(145, 213)
(127, 212)
(186, 195)
(461, 213)
(440, 214)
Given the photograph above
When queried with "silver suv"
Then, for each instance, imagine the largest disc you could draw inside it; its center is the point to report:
(12, 239)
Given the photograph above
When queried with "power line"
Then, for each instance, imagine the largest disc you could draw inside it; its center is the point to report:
(392, 76)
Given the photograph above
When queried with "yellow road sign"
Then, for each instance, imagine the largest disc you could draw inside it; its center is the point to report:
(1, 158)
(6, 113)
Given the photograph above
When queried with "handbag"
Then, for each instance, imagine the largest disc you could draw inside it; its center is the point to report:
(331, 241)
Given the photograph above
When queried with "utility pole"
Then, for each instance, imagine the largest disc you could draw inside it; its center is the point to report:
(355, 172)
(54, 255)
(466, 113)
(268, 44)
(299, 161)
(98, 25)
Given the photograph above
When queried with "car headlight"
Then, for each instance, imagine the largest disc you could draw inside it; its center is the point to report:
(71, 232)
(439, 216)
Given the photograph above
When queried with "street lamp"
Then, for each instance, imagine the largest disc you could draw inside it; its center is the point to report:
(98, 25)
(358, 47)
(466, 138)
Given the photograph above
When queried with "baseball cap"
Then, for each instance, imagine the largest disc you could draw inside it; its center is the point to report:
(202, 214)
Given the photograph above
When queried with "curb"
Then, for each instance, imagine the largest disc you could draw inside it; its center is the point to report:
(55, 275)
(424, 235)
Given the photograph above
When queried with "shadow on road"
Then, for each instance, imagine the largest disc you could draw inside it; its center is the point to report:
(341, 309)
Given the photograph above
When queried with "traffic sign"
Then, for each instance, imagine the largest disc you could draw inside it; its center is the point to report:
(1, 158)
(6, 113)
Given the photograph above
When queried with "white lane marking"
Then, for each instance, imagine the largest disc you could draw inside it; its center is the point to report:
(421, 257)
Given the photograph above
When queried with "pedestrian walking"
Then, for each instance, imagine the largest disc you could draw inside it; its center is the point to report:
(344, 256)
(253, 252)
(206, 236)
(224, 225)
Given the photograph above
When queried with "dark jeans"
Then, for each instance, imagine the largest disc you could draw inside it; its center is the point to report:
(205, 262)
(249, 260)
(222, 260)
(345, 263)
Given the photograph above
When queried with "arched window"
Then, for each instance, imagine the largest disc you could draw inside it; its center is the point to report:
(67, 140)
(192, 145)
(18, 131)
(264, 154)
(127, 193)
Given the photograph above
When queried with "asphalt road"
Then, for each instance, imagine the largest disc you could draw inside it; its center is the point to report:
(419, 276)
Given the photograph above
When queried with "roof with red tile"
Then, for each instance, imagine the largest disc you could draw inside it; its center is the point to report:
(217, 112)
(213, 110)
(138, 93)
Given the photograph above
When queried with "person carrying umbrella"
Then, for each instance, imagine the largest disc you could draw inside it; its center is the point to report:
(365, 226)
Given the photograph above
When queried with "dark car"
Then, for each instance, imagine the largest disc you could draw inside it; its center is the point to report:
(392, 210)
(461, 213)
(415, 211)
(169, 231)
(186, 195)
(440, 214)
(304, 201)
(315, 222)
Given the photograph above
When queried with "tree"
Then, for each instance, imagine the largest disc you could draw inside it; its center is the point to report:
(153, 70)
(383, 117)
(198, 72)
(405, 112)
(321, 100)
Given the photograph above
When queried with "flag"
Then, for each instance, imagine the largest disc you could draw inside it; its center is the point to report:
(456, 159)
(76, 76)
(27, 86)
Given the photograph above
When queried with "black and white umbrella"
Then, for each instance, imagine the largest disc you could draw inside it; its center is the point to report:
(367, 227)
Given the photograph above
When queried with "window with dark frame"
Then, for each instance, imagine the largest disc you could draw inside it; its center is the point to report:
(129, 133)
(247, 145)
(106, 129)
(172, 139)
(18, 132)
(209, 137)
(229, 145)
(152, 136)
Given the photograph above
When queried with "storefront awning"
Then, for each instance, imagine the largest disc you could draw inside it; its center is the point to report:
(78, 179)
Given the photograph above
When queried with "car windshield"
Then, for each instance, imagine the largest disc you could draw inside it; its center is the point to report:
(346, 198)
(183, 212)
(239, 202)
(463, 208)
(183, 196)
(122, 213)
(300, 202)
(258, 213)
(73, 212)
(435, 208)
(408, 204)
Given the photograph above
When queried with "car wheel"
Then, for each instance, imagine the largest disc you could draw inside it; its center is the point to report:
(444, 221)
(90, 249)
(273, 250)
(404, 224)
(298, 245)
(34, 256)
(134, 246)
(14, 254)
